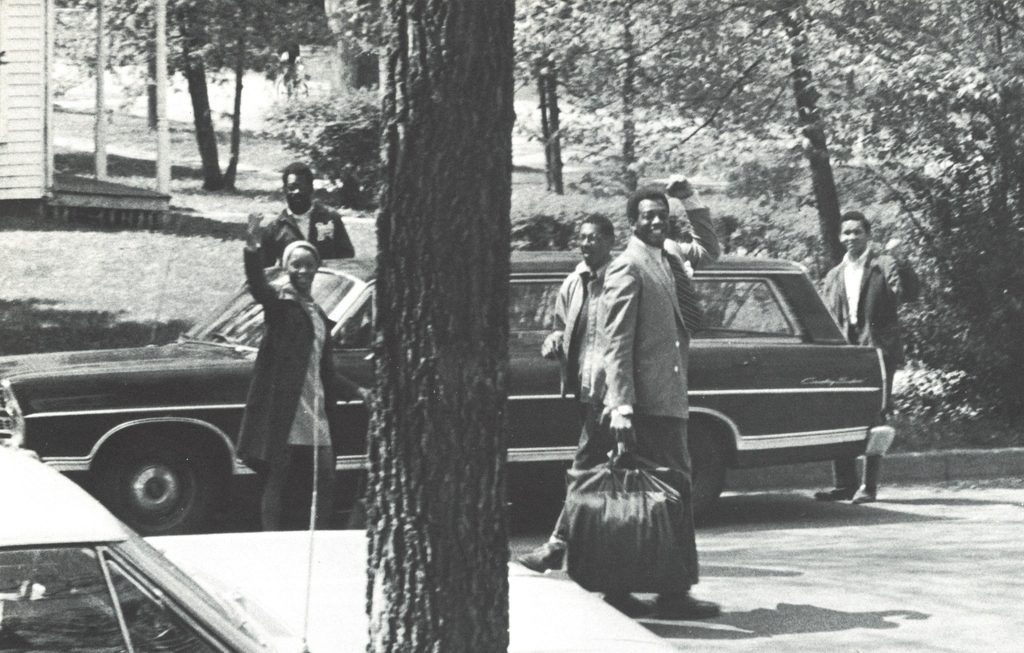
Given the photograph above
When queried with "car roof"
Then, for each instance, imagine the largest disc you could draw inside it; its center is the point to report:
(39, 506)
(562, 262)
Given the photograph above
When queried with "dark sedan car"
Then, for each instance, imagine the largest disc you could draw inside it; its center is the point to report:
(153, 428)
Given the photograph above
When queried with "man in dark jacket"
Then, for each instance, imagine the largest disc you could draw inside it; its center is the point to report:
(862, 292)
(304, 219)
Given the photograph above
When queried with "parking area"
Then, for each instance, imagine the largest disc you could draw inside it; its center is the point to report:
(927, 568)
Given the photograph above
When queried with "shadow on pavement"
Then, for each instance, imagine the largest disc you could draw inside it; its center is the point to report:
(788, 510)
(785, 619)
(733, 571)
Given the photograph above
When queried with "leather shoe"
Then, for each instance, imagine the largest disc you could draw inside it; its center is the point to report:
(627, 604)
(864, 495)
(545, 557)
(684, 606)
(836, 494)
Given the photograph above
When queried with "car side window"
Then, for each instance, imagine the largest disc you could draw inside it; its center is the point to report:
(56, 599)
(152, 625)
(531, 307)
(741, 308)
(357, 331)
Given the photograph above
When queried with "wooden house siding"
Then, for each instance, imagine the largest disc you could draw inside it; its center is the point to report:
(23, 99)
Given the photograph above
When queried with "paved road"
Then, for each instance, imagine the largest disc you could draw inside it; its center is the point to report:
(925, 569)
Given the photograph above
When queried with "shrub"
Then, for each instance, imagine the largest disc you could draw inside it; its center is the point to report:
(543, 220)
(937, 395)
(339, 136)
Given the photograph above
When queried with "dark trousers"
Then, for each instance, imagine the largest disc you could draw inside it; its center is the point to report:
(844, 470)
(287, 492)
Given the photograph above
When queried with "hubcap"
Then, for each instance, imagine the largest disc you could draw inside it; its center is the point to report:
(156, 488)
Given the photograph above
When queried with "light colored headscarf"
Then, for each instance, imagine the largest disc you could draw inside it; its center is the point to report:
(296, 245)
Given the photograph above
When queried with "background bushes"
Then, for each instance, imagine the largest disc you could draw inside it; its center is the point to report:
(338, 137)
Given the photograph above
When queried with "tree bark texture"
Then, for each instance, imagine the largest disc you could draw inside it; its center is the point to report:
(812, 126)
(629, 174)
(438, 545)
(231, 173)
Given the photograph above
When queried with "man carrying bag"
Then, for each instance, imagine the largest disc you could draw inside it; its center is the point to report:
(651, 308)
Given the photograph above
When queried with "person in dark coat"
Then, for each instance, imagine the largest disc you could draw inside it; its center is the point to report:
(304, 219)
(862, 292)
(290, 409)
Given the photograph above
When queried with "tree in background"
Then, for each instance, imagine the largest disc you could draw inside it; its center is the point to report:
(438, 547)
(205, 36)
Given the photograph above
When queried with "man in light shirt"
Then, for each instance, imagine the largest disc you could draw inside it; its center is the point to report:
(863, 292)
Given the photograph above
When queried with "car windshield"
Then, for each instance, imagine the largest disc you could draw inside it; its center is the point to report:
(240, 320)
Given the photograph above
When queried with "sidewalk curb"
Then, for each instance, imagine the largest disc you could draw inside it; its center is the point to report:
(917, 467)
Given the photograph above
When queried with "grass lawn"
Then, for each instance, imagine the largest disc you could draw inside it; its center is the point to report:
(77, 286)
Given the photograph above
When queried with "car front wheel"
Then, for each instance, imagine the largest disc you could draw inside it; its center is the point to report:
(156, 488)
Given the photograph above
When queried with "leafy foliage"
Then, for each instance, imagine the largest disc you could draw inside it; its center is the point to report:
(339, 137)
(943, 128)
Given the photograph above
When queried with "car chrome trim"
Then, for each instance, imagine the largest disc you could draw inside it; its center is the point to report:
(780, 391)
(162, 420)
(69, 463)
(139, 409)
(359, 402)
(886, 391)
(801, 439)
(540, 454)
(517, 455)
(351, 463)
(722, 417)
(158, 409)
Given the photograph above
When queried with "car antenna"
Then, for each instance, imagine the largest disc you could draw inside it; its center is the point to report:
(312, 536)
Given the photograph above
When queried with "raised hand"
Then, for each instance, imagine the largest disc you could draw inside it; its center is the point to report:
(253, 230)
(679, 188)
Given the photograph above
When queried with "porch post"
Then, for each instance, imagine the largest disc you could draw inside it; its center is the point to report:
(100, 127)
(163, 136)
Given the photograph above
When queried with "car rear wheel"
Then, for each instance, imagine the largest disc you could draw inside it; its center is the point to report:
(707, 455)
(156, 488)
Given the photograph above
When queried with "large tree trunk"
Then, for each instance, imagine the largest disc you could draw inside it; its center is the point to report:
(206, 136)
(193, 39)
(795, 18)
(236, 115)
(547, 88)
(438, 553)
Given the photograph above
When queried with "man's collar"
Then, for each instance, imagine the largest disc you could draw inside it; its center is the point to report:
(583, 267)
(654, 252)
(297, 216)
(860, 260)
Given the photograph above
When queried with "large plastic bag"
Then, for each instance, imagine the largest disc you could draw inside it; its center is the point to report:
(629, 530)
